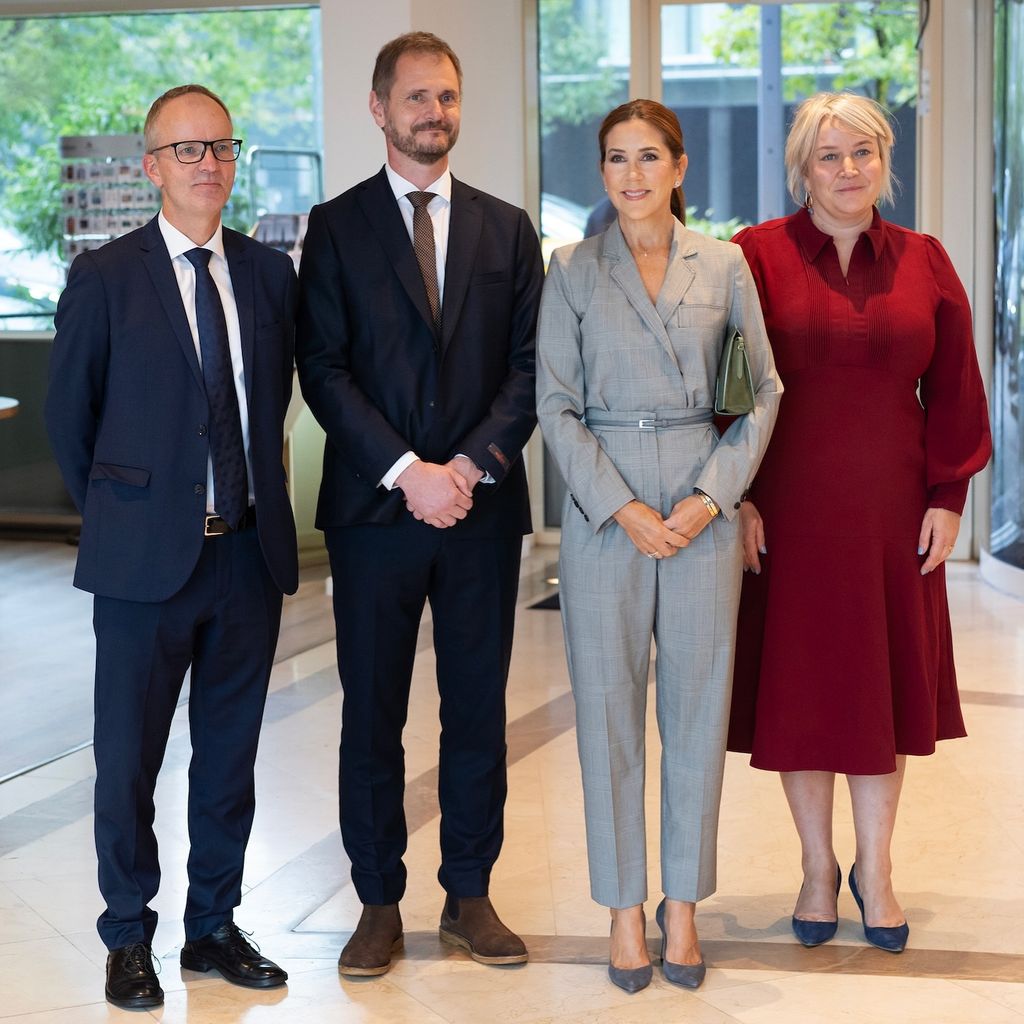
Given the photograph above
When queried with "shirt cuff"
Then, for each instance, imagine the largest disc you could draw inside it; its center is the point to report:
(486, 478)
(387, 481)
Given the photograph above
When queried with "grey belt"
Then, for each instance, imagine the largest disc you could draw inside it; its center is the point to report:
(647, 420)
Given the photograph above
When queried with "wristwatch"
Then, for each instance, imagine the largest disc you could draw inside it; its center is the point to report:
(709, 503)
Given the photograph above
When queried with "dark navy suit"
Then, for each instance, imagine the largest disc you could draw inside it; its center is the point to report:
(126, 413)
(381, 382)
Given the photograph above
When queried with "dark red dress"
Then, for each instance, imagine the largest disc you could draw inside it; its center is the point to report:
(844, 657)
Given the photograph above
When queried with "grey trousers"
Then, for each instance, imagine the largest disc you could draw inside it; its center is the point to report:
(614, 599)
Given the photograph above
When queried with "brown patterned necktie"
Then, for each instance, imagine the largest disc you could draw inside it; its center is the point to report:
(426, 254)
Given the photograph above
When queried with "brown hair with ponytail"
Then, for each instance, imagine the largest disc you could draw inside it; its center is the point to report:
(665, 121)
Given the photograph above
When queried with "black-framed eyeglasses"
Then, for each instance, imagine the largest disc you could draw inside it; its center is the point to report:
(193, 151)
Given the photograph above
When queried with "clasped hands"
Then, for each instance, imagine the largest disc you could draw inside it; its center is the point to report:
(662, 538)
(440, 495)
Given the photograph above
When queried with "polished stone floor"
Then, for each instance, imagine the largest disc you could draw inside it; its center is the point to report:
(958, 851)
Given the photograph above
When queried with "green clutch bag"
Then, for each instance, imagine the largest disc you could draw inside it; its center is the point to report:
(734, 388)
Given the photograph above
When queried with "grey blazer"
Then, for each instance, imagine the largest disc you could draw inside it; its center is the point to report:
(602, 345)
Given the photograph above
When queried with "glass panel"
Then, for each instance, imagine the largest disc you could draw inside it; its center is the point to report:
(89, 76)
(584, 73)
(1007, 539)
(97, 76)
(712, 58)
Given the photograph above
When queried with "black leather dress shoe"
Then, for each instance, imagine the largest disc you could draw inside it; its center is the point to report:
(131, 980)
(228, 950)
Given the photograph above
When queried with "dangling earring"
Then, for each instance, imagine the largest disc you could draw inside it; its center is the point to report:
(809, 202)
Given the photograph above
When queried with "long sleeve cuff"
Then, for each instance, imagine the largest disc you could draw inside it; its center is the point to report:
(387, 481)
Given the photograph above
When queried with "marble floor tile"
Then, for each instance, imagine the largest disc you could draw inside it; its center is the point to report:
(1005, 994)
(845, 999)
(957, 851)
(19, 920)
(46, 974)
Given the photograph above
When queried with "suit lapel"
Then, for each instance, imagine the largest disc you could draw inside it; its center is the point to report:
(240, 270)
(464, 227)
(161, 273)
(381, 209)
(679, 274)
(625, 274)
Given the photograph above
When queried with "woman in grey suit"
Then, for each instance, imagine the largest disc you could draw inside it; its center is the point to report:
(631, 330)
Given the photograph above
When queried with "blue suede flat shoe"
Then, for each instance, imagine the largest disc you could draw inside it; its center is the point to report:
(814, 933)
(687, 975)
(892, 940)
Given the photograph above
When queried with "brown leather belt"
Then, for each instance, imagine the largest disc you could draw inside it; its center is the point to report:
(216, 527)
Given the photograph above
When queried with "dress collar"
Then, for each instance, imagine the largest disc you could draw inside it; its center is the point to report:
(813, 240)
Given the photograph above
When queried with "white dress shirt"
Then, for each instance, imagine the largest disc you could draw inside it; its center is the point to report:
(185, 274)
(439, 208)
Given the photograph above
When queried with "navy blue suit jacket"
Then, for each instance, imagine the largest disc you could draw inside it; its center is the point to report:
(380, 381)
(126, 412)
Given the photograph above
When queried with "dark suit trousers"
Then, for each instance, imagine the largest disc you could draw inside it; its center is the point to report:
(224, 623)
(383, 574)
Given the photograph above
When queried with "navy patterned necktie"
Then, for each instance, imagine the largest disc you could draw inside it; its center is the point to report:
(230, 483)
(426, 253)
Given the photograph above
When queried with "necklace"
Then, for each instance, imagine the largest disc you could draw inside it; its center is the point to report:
(656, 249)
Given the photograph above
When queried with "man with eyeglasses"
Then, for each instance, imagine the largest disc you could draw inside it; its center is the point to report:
(169, 380)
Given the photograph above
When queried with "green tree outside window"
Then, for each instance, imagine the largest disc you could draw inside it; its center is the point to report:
(98, 75)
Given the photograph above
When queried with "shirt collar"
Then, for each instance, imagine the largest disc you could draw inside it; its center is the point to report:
(178, 243)
(813, 240)
(442, 187)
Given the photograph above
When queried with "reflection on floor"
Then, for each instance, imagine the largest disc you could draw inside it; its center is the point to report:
(959, 847)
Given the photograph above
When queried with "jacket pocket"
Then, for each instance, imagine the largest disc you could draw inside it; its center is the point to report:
(120, 474)
(491, 277)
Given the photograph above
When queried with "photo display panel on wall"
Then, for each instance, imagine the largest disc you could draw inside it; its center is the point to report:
(104, 192)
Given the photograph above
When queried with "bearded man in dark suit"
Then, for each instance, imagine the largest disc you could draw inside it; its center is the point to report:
(415, 346)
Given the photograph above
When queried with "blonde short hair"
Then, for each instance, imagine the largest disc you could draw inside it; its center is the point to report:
(858, 114)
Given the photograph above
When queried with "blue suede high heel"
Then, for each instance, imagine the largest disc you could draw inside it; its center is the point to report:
(814, 933)
(687, 975)
(893, 939)
(630, 979)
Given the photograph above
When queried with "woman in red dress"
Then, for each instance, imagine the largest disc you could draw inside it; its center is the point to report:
(844, 659)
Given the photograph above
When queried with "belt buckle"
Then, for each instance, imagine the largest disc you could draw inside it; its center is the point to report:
(646, 424)
(214, 521)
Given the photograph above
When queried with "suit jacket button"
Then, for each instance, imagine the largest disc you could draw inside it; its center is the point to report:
(202, 430)
(199, 489)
